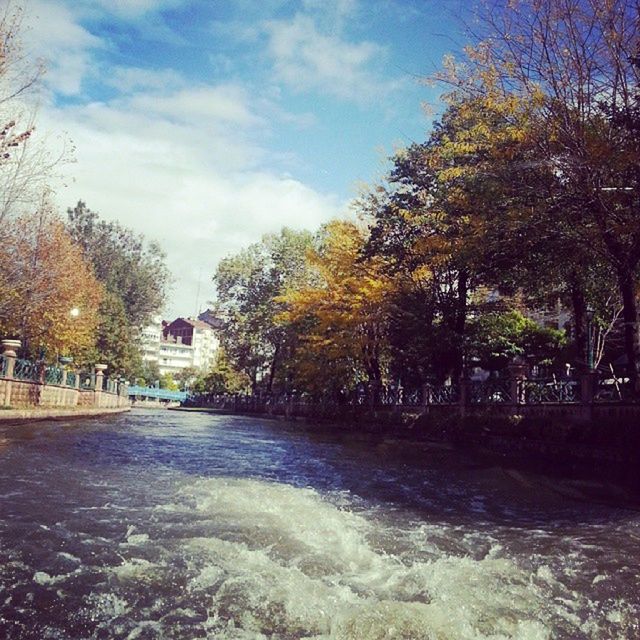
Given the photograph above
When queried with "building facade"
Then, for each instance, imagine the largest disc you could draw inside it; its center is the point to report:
(177, 345)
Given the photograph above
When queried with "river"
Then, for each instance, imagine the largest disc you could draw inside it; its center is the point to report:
(188, 525)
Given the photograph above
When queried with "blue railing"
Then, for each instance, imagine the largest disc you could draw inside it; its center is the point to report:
(160, 394)
(53, 375)
(26, 370)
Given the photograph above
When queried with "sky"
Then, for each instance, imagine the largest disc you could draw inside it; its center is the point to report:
(205, 124)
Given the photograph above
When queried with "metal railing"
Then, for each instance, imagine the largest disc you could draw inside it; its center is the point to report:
(26, 370)
(53, 375)
(442, 394)
(490, 392)
(549, 391)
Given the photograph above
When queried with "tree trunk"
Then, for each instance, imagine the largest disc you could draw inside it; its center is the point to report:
(627, 284)
(272, 368)
(461, 323)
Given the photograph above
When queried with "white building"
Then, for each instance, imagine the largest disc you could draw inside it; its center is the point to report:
(150, 338)
(185, 342)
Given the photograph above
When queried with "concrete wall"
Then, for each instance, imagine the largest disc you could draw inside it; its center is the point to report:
(24, 393)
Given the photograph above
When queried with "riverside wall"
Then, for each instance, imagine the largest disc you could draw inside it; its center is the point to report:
(25, 393)
(20, 391)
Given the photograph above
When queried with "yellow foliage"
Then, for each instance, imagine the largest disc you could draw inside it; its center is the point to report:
(45, 279)
(341, 318)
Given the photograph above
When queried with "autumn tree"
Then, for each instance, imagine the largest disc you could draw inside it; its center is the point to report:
(576, 62)
(341, 315)
(44, 276)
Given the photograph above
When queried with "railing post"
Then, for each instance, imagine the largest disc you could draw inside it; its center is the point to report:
(9, 348)
(588, 384)
(517, 373)
(100, 369)
(426, 394)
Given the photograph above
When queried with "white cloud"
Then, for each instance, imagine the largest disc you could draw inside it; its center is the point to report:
(131, 79)
(333, 13)
(129, 9)
(199, 190)
(184, 164)
(53, 34)
(223, 104)
(304, 58)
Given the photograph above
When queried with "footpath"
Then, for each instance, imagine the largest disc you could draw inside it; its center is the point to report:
(11, 416)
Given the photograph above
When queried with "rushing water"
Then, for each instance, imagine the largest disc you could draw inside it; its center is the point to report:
(176, 525)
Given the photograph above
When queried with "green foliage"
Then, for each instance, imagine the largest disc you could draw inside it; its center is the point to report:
(148, 374)
(247, 285)
(167, 382)
(495, 339)
(125, 264)
(116, 341)
(135, 278)
(222, 378)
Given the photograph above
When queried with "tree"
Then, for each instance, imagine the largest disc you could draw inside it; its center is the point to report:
(148, 374)
(247, 286)
(124, 262)
(497, 338)
(116, 340)
(222, 378)
(340, 316)
(44, 276)
(26, 162)
(167, 382)
(576, 62)
(135, 277)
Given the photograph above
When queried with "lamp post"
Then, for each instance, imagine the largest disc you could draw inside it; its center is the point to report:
(590, 313)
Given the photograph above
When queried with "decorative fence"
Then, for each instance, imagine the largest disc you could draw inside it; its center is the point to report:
(514, 394)
(36, 383)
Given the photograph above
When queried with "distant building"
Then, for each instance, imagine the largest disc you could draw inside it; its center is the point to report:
(150, 339)
(182, 343)
(174, 356)
(211, 319)
(197, 334)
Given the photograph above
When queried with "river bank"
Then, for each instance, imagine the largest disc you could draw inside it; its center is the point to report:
(37, 414)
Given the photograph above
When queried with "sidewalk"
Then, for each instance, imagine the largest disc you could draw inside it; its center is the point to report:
(55, 413)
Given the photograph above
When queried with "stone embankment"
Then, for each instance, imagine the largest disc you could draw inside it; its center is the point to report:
(31, 390)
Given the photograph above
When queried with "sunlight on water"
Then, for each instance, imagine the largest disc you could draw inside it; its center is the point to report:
(120, 537)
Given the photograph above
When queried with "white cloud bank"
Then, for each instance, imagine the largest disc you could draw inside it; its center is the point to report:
(183, 164)
(306, 57)
(183, 168)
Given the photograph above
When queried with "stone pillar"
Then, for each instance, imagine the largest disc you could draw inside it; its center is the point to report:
(517, 373)
(9, 348)
(100, 369)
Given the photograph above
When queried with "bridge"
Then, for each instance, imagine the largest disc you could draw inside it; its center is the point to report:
(153, 393)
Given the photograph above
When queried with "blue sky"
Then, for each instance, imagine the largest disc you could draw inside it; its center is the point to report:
(205, 124)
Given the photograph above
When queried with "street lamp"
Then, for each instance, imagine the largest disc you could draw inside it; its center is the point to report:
(75, 312)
